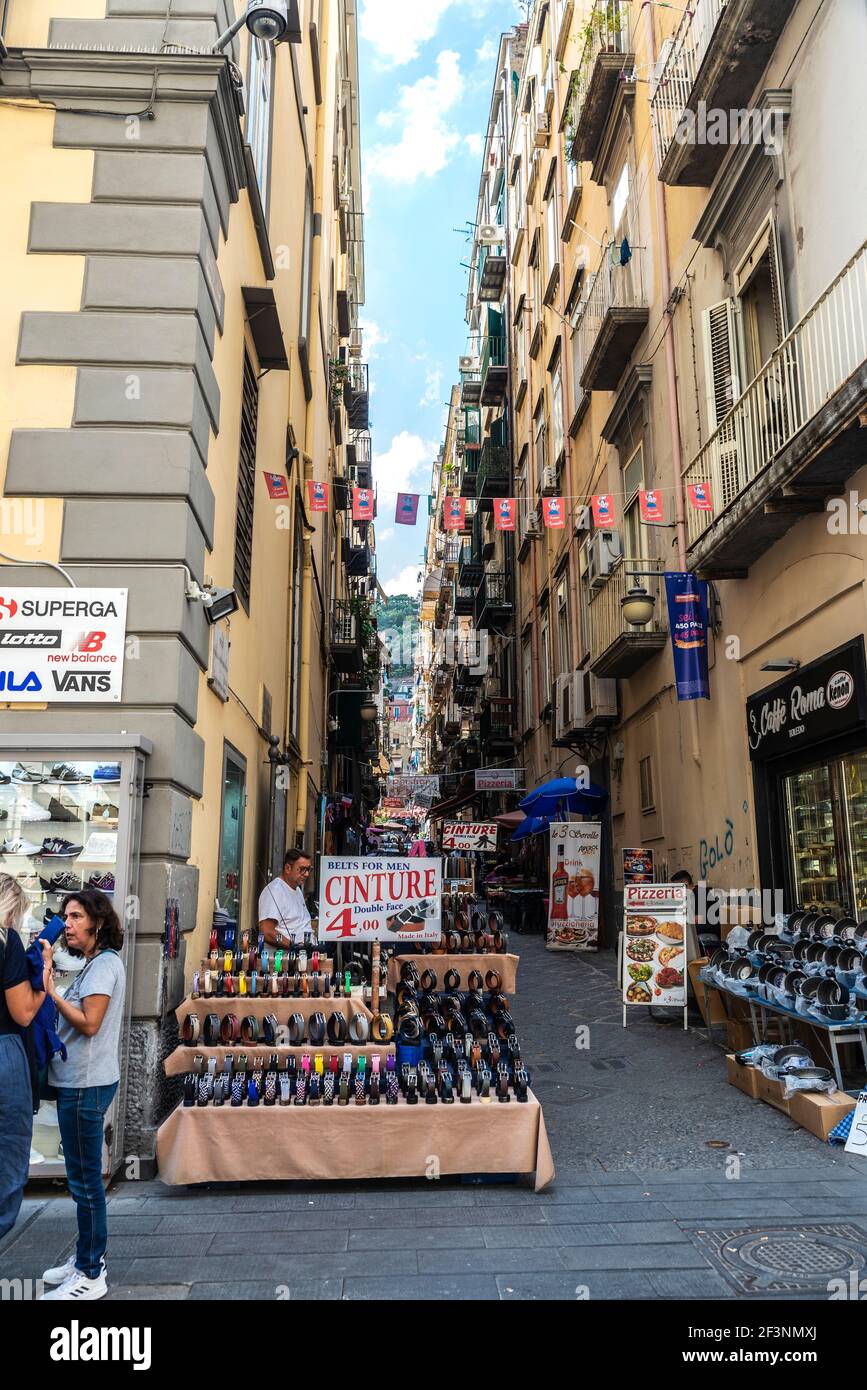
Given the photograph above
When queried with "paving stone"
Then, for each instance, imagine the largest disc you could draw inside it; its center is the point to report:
(523, 1237)
(610, 1211)
(566, 1288)
(261, 1266)
(691, 1192)
(691, 1283)
(733, 1211)
(431, 1288)
(150, 1293)
(133, 1225)
(819, 1208)
(632, 1257)
(642, 1233)
(435, 1238)
(293, 1291)
(151, 1247)
(420, 1217)
(498, 1261)
(603, 1233)
(279, 1242)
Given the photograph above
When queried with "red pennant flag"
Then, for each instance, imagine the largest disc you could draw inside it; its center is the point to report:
(317, 496)
(362, 504)
(504, 514)
(454, 513)
(406, 511)
(277, 485)
(553, 512)
(650, 506)
(699, 496)
(603, 510)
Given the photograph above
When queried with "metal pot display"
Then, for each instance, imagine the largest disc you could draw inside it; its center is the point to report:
(791, 982)
(861, 933)
(815, 1074)
(850, 959)
(805, 926)
(740, 970)
(754, 939)
(823, 928)
(832, 956)
(829, 991)
(815, 952)
(790, 1054)
(846, 929)
(794, 920)
(718, 958)
(835, 1013)
(799, 950)
(807, 988)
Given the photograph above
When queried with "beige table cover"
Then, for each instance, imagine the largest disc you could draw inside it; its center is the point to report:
(505, 966)
(292, 1143)
(179, 1062)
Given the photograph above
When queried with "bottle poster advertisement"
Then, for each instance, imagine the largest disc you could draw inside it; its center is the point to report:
(573, 902)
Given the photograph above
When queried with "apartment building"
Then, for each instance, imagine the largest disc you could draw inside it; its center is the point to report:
(683, 304)
(183, 268)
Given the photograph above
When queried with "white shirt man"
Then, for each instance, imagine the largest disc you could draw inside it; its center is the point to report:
(283, 914)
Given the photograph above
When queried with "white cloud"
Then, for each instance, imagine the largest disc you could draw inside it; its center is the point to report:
(427, 140)
(385, 535)
(474, 143)
(404, 583)
(433, 387)
(374, 337)
(487, 53)
(405, 467)
(398, 28)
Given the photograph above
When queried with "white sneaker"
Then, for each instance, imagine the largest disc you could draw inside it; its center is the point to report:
(32, 811)
(36, 1156)
(60, 1273)
(78, 1289)
(20, 847)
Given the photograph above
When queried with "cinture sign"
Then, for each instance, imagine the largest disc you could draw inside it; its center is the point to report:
(460, 835)
(380, 899)
(62, 646)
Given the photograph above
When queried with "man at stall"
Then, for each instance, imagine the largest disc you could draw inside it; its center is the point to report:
(283, 914)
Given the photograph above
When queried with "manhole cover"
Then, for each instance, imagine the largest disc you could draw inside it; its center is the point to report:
(783, 1259)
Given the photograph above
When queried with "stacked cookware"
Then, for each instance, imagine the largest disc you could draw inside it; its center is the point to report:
(815, 966)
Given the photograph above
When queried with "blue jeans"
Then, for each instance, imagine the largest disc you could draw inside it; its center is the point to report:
(16, 1127)
(81, 1116)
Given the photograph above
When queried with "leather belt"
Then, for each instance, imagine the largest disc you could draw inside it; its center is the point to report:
(337, 1030)
(269, 1028)
(359, 1028)
(211, 1030)
(316, 1030)
(429, 980)
(452, 980)
(250, 1029)
(229, 1030)
(474, 979)
(381, 1028)
(493, 981)
(296, 1029)
(410, 1029)
(190, 1029)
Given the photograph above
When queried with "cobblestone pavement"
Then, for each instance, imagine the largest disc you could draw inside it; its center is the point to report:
(641, 1206)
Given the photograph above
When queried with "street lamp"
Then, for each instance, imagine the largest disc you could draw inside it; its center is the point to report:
(369, 710)
(638, 606)
(268, 20)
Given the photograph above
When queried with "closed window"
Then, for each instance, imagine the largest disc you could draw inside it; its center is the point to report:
(619, 203)
(633, 480)
(259, 113)
(552, 235)
(527, 683)
(540, 436)
(646, 790)
(246, 483)
(557, 430)
(584, 597)
(564, 642)
(545, 654)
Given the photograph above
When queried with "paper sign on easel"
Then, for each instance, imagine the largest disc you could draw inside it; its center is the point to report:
(653, 954)
(857, 1141)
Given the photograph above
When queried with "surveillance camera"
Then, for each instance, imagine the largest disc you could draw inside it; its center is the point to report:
(223, 602)
(268, 19)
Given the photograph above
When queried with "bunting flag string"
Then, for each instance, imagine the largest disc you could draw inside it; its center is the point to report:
(406, 509)
(278, 487)
(317, 495)
(362, 504)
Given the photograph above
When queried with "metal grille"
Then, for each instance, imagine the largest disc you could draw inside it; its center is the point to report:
(246, 483)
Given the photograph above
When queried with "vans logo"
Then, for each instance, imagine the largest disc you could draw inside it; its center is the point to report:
(81, 683)
(76, 1343)
(32, 638)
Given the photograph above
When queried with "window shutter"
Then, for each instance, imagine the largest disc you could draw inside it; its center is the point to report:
(723, 389)
(246, 483)
(781, 318)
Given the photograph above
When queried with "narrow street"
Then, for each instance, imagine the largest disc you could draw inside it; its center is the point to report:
(640, 1208)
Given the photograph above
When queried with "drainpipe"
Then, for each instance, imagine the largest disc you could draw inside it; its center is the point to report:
(671, 375)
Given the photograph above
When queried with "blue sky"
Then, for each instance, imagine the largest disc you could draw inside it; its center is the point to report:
(427, 70)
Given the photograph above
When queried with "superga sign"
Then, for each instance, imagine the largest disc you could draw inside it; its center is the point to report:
(61, 646)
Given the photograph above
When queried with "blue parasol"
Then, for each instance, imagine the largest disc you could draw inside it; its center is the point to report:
(532, 825)
(564, 794)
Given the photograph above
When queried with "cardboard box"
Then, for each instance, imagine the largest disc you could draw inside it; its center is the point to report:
(820, 1113)
(739, 1035)
(742, 1077)
(771, 1092)
(716, 1006)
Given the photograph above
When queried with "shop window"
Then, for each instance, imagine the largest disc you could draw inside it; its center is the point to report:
(825, 809)
(259, 91)
(246, 483)
(232, 831)
(646, 790)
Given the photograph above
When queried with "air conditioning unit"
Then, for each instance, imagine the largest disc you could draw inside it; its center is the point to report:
(355, 342)
(582, 521)
(532, 525)
(468, 364)
(606, 549)
(490, 234)
(345, 203)
(593, 700)
(550, 480)
(542, 130)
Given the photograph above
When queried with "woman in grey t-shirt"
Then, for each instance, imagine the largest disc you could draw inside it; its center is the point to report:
(91, 1014)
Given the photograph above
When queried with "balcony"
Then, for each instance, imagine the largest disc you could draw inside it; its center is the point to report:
(360, 563)
(494, 369)
(494, 476)
(346, 650)
(497, 726)
(356, 396)
(493, 601)
(613, 316)
(451, 557)
(604, 78)
(471, 382)
(717, 56)
(465, 597)
(793, 437)
(492, 274)
(615, 648)
(470, 569)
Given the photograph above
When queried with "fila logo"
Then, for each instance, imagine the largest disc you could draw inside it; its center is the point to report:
(81, 683)
(10, 685)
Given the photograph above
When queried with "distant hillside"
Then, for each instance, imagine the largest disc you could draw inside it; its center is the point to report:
(391, 614)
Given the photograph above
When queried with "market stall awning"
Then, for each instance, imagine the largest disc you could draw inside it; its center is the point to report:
(455, 803)
(510, 820)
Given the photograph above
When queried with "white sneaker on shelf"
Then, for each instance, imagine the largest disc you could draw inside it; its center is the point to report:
(60, 1273)
(36, 1156)
(78, 1289)
(31, 811)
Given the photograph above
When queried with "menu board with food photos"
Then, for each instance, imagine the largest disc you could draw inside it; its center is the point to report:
(654, 946)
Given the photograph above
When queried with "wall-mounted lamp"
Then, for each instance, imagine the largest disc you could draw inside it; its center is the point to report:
(784, 663)
(638, 606)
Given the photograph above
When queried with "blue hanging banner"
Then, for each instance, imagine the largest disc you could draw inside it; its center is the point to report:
(688, 621)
